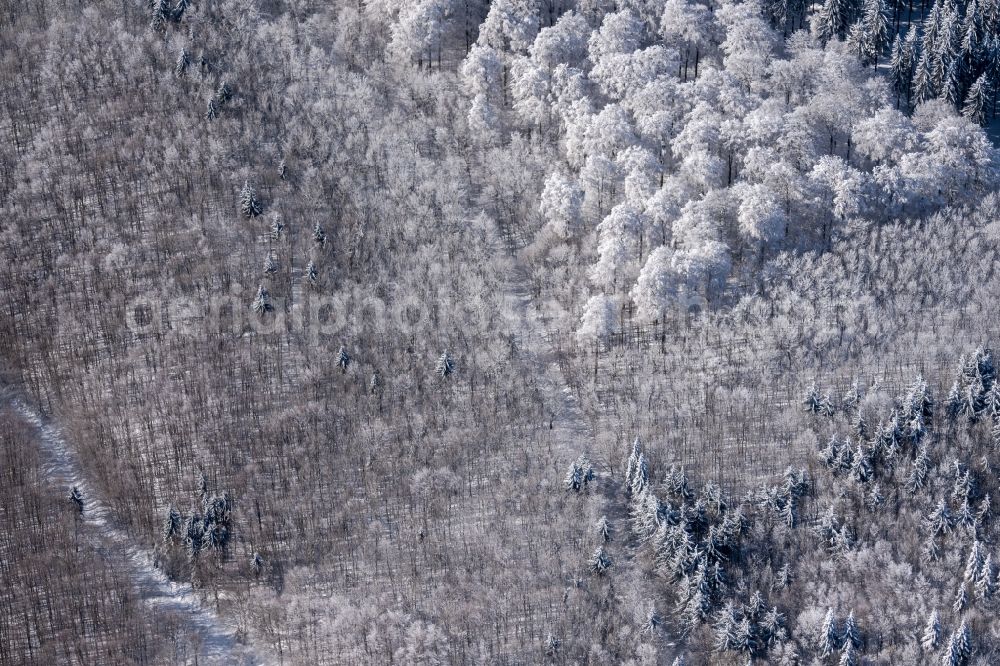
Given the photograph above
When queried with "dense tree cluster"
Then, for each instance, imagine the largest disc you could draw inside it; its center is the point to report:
(701, 140)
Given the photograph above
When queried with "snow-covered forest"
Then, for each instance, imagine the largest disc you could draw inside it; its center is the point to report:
(499, 332)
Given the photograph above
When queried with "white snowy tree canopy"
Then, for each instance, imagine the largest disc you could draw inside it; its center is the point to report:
(510, 25)
(684, 23)
(562, 43)
(620, 32)
(419, 28)
(481, 70)
(561, 204)
(761, 216)
(885, 136)
(600, 318)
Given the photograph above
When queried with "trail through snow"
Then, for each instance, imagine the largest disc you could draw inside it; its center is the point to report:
(571, 433)
(217, 638)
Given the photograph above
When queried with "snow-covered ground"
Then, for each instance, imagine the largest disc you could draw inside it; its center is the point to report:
(216, 637)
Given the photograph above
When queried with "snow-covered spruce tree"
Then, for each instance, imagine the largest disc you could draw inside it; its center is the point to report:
(193, 533)
(311, 275)
(182, 63)
(974, 562)
(899, 70)
(726, 627)
(551, 645)
(211, 113)
(874, 500)
(972, 402)
(939, 521)
(270, 265)
(179, 8)
(931, 551)
(845, 461)
(923, 80)
(920, 401)
(911, 47)
(76, 497)
(831, 21)
(862, 468)
(171, 524)
(787, 511)
(954, 403)
(843, 540)
(652, 621)
(783, 577)
(219, 508)
(223, 94)
(201, 483)
(249, 205)
(755, 607)
(875, 25)
(852, 398)
(343, 359)
(985, 580)
(580, 473)
(256, 564)
(676, 482)
(215, 536)
(816, 402)
(160, 14)
(830, 454)
(318, 235)
(746, 638)
(772, 626)
(444, 366)
(631, 465)
(952, 652)
(646, 514)
(604, 529)
(262, 301)
(574, 478)
(276, 227)
(961, 599)
(599, 562)
(375, 383)
(963, 487)
(984, 511)
(829, 638)
(931, 637)
(964, 515)
(852, 635)
(921, 467)
(964, 636)
(640, 478)
(848, 656)
(977, 100)
(993, 402)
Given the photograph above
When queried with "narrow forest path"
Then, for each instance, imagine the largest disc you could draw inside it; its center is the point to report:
(215, 637)
(572, 434)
